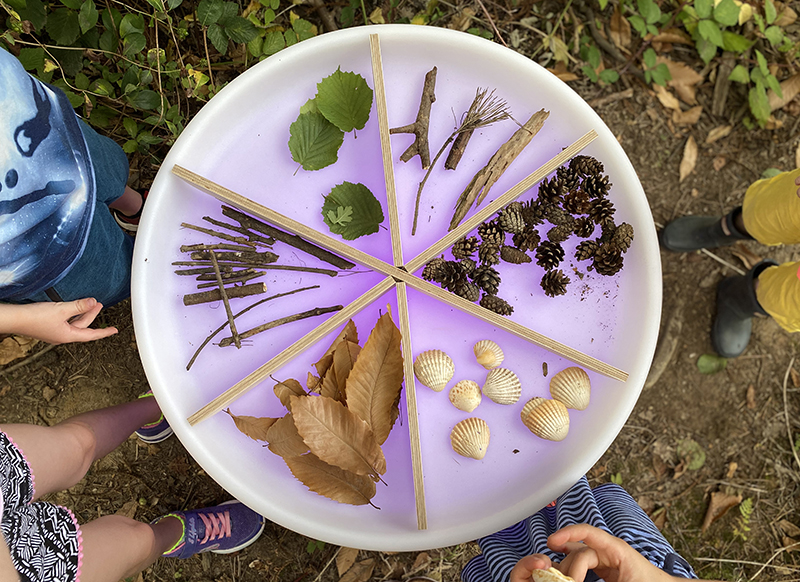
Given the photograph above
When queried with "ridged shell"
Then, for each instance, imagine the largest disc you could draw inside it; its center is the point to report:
(548, 419)
(466, 395)
(550, 575)
(470, 438)
(488, 353)
(572, 387)
(434, 369)
(502, 386)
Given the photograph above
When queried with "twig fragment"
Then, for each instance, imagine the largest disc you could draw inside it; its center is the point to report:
(215, 247)
(251, 236)
(246, 257)
(222, 235)
(419, 128)
(223, 293)
(233, 292)
(247, 275)
(225, 342)
(269, 267)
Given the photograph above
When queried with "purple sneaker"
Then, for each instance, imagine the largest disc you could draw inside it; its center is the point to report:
(223, 529)
(155, 432)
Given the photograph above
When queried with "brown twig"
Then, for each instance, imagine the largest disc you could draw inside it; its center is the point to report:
(226, 276)
(203, 270)
(248, 275)
(270, 267)
(419, 128)
(225, 342)
(491, 22)
(251, 236)
(290, 239)
(224, 294)
(215, 247)
(242, 312)
(247, 257)
(233, 292)
(222, 235)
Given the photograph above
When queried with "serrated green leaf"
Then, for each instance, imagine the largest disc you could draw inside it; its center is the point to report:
(709, 30)
(32, 58)
(239, 29)
(109, 41)
(145, 99)
(774, 35)
(309, 106)
(739, 74)
(770, 12)
(692, 453)
(726, 13)
(759, 102)
(273, 42)
(609, 76)
(34, 11)
(735, 43)
(314, 141)
(130, 126)
(341, 216)
(254, 47)
(763, 66)
(703, 8)
(345, 99)
(229, 10)
(133, 44)
(209, 11)
(81, 82)
(130, 146)
(706, 49)
(217, 36)
(62, 26)
(88, 16)
(102, 87)
(367, 213)
(773, 84)
(711, 364)
(650, 11)
(131, 24)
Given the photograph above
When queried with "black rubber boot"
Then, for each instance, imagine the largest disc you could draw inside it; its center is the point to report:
(736, 306)
(691, 233)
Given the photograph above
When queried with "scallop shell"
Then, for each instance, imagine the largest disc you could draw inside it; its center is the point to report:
(434, 369)
(571, 386)
(502, 386)
(488, 353)
(548, 419)
(550, 575)
(470, 438)
(466, 395)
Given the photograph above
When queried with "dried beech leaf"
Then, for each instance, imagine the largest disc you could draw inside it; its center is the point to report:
(719, 505)
(749, 258)
(14, 347)
(620, 30)
(689, 158)
(313, 383)
(255, 428)
(284, 440)
(344, 358)
(377, 378)
(795, 375)
(332, 482)
(291, 387)
(689, 117)
(718, 163)
(337, 436)
(350, 333)
(790, 88)
(797, 156)
(686, 93)
(329, 387)
(345, 558)
(673, 35)
(789, 528)
(666, 98)
(680, 73)
(360, 572)
(718, 133)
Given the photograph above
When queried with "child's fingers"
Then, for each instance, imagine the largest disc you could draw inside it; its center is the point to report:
(582, 532)
(580, 559)
(89, 334)
(525, 567)
(88, 309)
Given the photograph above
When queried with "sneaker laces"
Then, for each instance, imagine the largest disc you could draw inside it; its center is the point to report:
(216, 526)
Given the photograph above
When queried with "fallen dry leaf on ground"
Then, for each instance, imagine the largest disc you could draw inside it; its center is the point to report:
(345, 558)
(619, 30)
(14, 347)
(360, 572)
(561, 71)
(332, 482)
(786, 15)
(284, 440)
(789, 528)
(688, 117)
(719, 162)
(666, 98)
(254, 427)
(718, 506)
(684, 79)
(749, 258)
(673, 35)
(751, 397)
(128, 509)
(718, 133)
(689, 158)
(795, 377)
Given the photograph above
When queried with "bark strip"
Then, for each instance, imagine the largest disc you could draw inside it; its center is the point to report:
(237, 239)
(420, 127)
(252, 237)
(296, 317)
(233, 292)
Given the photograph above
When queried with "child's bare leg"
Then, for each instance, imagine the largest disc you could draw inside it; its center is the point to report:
(129, 203)
(60, 455)
(116, 547)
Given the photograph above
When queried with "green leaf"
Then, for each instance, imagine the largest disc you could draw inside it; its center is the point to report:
(692, 453)
(616, 478)
(590, 73)
(82, 82)
(763, 66)
(102, 87)
(173, 4)
(217, 36)
(239, 29)
(131, 24)
(773, 84)
(130, 146)
(32, 58)
(638, 24)
(609, 76)
(771, 173)
(774, 35)
(88, 16)
(649, 57)
(711, 364)
(309, 106)
(109, 41)
(341, 216)
(314, 141)
(209, 12)
(130, 126)
(73, 4)
(726, 13)
(703, 8)
(71, 61)
(62, 26)
(735, 43)
(706, 49)
(345, 99)
(710, 31)
(145, 99)
(366, 210)
(770, 12)
(229, 10)
(273, 42)
(649, 10)
(303, 28)
(740, 74)
(254, 47)
(133, 44)
(35, 12)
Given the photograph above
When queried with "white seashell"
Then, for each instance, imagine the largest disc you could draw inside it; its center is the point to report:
(550, 575)
(470, 438)
(502, 386)
(572, 387)
(548, 419)
(466, 395)
(434, 369)
(488, 353)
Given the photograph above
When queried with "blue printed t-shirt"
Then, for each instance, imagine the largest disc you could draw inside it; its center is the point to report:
(47, 188)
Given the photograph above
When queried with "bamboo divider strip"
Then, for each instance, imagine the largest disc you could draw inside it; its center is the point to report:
(346, 251)
(512, 194)
(256, 377)
(411, 406)
(386, 148)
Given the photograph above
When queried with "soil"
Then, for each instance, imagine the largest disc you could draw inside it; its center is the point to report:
(744, 419)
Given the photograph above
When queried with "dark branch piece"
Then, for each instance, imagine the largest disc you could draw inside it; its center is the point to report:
(225, 342)
(203, 270)
(233, 292)
(253, 237)
(239, 279)
(458, 149)
(419, 128)
(222, 235)
(216, 247)
(223, 293)
(316, 270)
(227, 276)
(246, 257)
(290, 239)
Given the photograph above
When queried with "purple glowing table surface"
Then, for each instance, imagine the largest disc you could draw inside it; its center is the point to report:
(239, 140)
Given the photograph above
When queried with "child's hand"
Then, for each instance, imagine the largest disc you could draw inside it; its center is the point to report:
(55, 323)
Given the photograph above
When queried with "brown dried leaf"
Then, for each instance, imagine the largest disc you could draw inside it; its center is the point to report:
(732, 467)
(422, 561)
(345, 558)
(666, 98)
(377, 378)
(332, 482)
(560, 70)
(797, 156)
(350, 333)
(344, 358)
(718, 133)
(749, 258)
(360, 572)
(284, 440)
(659, 518)
(14, 347)
(337, 436)
(684, 79)
(795, 377)
(786, 15)
(719, 162)
(128, 509)
(718, 506)
(673, 35)
(689, 158)
(313, 382)
(751, 397)
(686, 93)
(619, 30)
(254, 427)
(789, 528)
(688, 117)
(287, 388)
(790, 544)
(329, 387)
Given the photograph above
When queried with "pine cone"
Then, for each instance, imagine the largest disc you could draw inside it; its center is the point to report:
(464, 247)
(510, 218)
(577, 202)
(532, 213)
(514, 255)
(608, 228)
(559, 233)
(568, 177)
(551, 191)
(496, 304)
(555, 283)
(487, 279)
(586, 250)
(549, 254)
(453, 272)
(607, 260)
(602, 210)
(527, 240)
(623, 237)
(586, 166)
(584, 227)
(468, 290)
(434, 270)
(556, 215)
(491, 233)
(596, 186)
(468, 265)
(489, 254)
